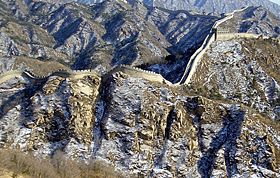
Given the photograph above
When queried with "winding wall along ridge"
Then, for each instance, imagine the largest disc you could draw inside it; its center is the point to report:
(149, 75)
(196, 57)
(152, 76)
(137, 72)
(60, 73)
(140, 73)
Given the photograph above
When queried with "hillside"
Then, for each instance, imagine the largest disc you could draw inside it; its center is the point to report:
(213, 6)
(98, 37)
(255, 20)
(142, 127)
(122, 89)
(242, 71)
(207, 6)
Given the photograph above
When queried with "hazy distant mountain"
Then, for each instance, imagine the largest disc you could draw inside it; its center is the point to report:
(216, 6)
(208, 6)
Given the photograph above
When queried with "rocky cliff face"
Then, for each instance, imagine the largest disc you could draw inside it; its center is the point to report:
(51, 113)
(142, 127)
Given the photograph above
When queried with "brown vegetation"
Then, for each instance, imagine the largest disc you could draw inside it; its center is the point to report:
(268, 57)
(39, 67)
(27, 165)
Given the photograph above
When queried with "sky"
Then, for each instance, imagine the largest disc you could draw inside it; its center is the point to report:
(276, 1)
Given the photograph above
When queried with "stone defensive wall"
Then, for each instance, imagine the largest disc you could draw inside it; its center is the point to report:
(28, 73)
(225, 34)
(60, 72)
(140, 73)
(132, 71)
(196, 57)
(33, 75)
(229, 36)
(212, 36)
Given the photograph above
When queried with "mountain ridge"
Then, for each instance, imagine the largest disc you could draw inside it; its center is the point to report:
(208, 6)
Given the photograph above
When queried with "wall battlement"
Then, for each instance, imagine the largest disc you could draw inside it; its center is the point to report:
(140, 73)
(59, 72)
(229, 36)
(29, 73)
(33, 75)
(222, 31)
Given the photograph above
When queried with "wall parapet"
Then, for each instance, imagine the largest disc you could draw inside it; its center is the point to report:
(148, 75)
(29, 73)
(33, 75)
(228, 36)
(140, 73)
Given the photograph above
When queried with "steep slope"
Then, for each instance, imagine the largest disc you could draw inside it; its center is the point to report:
(56, 111)
(208, 6)
(99, 37)
(213, 6)
(255, 20)
(142, 127)
(243, 71)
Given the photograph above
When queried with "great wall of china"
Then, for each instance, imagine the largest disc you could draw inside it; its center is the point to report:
(28, 73)
(214, 35)
(197, 56)
(133, 71)
(140, 73)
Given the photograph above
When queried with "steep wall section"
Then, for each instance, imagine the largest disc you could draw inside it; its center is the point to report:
(197, 56)
(200, 51)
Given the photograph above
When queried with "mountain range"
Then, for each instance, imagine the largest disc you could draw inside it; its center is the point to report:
(208, 6)
(163, 88)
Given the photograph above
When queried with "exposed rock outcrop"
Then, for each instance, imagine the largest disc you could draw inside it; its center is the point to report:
(142, 127)
(244, 72)
(225, 123)
(52, 112)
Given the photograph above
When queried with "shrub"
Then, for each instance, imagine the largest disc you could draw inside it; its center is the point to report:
(20, 163)
(59, 166)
